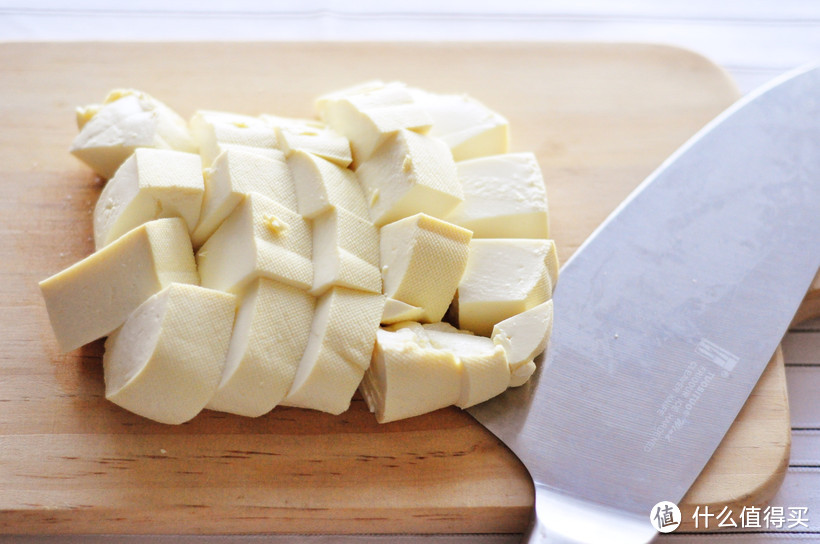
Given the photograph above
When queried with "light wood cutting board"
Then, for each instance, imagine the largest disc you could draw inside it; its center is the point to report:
(599, 117)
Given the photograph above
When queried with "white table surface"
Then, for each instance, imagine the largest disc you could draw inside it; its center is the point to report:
(753, 39)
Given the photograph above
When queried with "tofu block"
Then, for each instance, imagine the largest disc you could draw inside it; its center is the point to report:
(409, 174)
(310, 136)
(127, 120)
(212, 130)
(338, 352)
(504, 277)
(368, 114)
(469, 128)
(396, 311)
(93, 297)
(322, 185)
(269, 338)
(260, 238)
(524, 336)
(150, 184)
(235, 173)
(485, 371)
(504, 197)
(409, 377)
(345, 252)
(166, 361)
(422, 260)
(522, 374)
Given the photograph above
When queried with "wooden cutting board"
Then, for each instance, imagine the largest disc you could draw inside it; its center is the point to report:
(599, 117)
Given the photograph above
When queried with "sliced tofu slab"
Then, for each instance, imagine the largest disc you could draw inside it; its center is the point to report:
(409, 377)
(504, 197)
(338, 352)
(127, 120)
(396, 311)
(485, 371)
(524, 336)
(311, 136)
(150, 184)
(368, 114)
(345, 252)
(212, 130)
(322, 185)
(504, 277)
(409, 174)
(235, 173)
(93, 297)
(467, 126)
(165, 362)
(260, 238)
(269, 338)
(422, 260)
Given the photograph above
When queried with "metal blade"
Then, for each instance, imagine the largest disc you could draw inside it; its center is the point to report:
(667, 315)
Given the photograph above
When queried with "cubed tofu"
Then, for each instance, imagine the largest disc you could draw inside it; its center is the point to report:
(504, 197)
(128, 119)
(504, 277)
(322, 185)
(214, 130)
(345, 252)
(93, 297)
(260, 238)
(150, 184)
(311, 136)
(369, 114)
(409, 377)
(467, 126)
(269, 337)
(235, 173)
(409, 174)
(166, 361)
(341, 341)
(422, 260)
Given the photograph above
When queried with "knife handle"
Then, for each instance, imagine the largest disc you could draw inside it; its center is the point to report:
(561, 519)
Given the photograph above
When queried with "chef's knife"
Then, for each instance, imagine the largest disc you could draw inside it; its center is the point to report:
(666, 317)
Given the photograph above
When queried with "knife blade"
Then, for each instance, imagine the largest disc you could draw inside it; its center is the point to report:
(666, 317)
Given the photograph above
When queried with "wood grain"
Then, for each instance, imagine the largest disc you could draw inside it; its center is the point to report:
(599, 117)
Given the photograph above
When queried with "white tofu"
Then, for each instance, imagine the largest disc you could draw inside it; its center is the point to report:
(368, 114)
(165, 362)
(504, 197)
(409, 174)
(93, 297)
(269, 338)
(422, 260)
(260, 238)
(396, 311)
(322, 185)
(409, 377)
(150, 184)
(485, 371)
(467, 126)
(504, 277)
(338, 352)
(311, 136)
(345, 252)
(127, 120)
(524, 336)
(235, 173)
(521, 375)
(212, 130)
